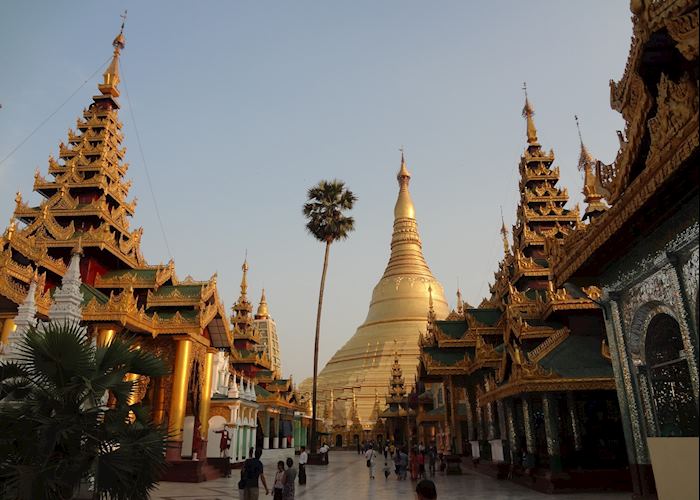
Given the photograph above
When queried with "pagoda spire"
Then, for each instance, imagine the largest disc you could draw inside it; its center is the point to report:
(262, 308)
(404, 205)
(460, 302)
(593, 190)
(110, 78)
(244, 280)
(528, 113)
(504, 235)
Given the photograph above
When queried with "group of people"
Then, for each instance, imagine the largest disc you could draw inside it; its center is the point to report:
(419, 461)
(252, 475)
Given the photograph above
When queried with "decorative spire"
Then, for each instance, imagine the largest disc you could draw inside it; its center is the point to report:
(404, 205)
(431, 308)
(593, 190)
(528, 113)
(460, 302)
(244, 279)
(110, 78)
(504, 235)
(25, 319)
(68, 298)
(262, 308)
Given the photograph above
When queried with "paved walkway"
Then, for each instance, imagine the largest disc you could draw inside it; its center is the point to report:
(346, 478)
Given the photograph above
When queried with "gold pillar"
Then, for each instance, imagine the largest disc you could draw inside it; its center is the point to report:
(105, 336)
(158, 403)
(178, 396)
(205, 396)
(8, 326)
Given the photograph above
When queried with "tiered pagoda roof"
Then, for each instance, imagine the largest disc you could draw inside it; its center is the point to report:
(85, 203)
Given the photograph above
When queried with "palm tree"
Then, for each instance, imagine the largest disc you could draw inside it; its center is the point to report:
(57, 431)
(326, 202)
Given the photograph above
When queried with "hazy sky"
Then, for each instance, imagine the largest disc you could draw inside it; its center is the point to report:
(241, 106)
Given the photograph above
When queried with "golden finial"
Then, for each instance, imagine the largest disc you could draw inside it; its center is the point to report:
(460, 303)
(504, 234)
(528, 113)
(262, 308)
(404, 176)
(430, 301)
(244, 279)
(78, 248)
(585, 159)
(111, 74)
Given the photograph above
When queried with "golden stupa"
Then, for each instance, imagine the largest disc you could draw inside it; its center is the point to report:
(397, 314)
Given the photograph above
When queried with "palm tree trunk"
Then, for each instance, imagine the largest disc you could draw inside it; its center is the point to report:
(318, 333)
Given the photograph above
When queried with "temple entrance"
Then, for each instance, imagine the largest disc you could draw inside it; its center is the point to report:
(338, 441)
(669, 377)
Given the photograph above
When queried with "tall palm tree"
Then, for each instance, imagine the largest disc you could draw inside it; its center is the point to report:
(57, 431)
(324, 209)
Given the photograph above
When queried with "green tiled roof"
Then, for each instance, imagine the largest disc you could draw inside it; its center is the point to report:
(486, 316)
(447, 356)
(453, 329)
(259, 391)
(90, 292)
(578, 356)
(186, 290)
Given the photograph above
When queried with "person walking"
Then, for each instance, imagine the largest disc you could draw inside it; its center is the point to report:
(303, 458)
(291, 475)
(371, 456)
(403, 458)
(252, 472)
(358, 446)
(324, 453)
(387, 469)
(413, 463)
(280, 477)
(432, 456)
(425, 490)
(421, 464)
(386, 451)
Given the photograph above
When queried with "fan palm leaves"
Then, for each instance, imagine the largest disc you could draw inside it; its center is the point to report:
(58, 431)
(326, 221)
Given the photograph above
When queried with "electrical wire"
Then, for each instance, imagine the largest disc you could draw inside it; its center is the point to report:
(143, 159)
(54, 112)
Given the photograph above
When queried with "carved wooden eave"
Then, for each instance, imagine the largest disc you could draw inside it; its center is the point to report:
(580, 246)
(523, 330)
(435, 367)
(546, 385)
(560, 300)
(17, 293)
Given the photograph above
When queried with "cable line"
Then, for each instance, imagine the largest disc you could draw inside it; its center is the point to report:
(143, 159)
(56, 111)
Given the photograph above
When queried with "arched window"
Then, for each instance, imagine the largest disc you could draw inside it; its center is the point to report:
(669, 374)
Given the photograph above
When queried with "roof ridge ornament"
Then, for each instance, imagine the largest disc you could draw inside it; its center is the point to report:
(528, 113)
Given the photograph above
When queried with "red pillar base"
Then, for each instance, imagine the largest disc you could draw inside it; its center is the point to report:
(173, 451)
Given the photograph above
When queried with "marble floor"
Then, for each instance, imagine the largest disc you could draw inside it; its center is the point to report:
(347, 478)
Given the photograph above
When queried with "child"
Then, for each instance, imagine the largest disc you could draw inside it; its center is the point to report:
(387, 469)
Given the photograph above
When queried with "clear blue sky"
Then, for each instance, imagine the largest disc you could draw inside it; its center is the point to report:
(243, 105)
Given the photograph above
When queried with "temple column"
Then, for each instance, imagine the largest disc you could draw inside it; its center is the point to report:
(8, 326)
(276, 434)
(254, 437)
(205, 402)
(512, 430)
(283, 439)
(158, 401)
(267, 439)
(529, 425)
(234, 443)
(105, 336)
(575, 425)
(550, 408)
(178, 397)
(470, 418)
(499, 445)
(297, 434)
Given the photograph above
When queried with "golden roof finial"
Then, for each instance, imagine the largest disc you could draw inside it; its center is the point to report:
(585, 159)
(460, 302)
(244, 279)
(431, 309)
(78, 248)
(110, 78)
(528, 113)
(593, 190)
(404, 205)
(262, 308)
(504, 234)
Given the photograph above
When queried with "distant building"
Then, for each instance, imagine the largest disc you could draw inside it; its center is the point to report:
(268, 331)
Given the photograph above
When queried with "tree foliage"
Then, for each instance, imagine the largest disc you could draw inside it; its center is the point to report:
(57, 430)
(326, 202)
